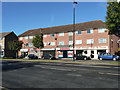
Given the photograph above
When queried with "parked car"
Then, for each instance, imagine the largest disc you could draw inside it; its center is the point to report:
(82, 57)
(48, 56)
(31, 56)
(107, 56)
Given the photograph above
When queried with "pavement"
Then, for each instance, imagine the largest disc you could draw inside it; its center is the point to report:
(18, 74)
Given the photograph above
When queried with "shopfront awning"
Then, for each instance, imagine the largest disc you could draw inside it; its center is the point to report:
(48, 49)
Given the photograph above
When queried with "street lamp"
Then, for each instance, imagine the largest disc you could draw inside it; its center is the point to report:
(74, 28)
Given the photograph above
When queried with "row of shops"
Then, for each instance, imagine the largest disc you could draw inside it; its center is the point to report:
(65, 52)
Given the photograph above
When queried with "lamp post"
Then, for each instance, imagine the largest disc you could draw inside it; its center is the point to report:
(74, 28)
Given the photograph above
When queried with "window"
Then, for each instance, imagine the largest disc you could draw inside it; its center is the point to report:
(78, 41)
(78, 32)
(70, 33)
(101, 30)
(102, 40)
(45, 44)
(61, 34)
(21, 38)
(70, 42)
(26, 44)
(30, 37)
(89, 31)
(89, 41)
(61, 43)
(30, 44)
(45, 35)
(52, 35)
(52, 43)
(26, 37)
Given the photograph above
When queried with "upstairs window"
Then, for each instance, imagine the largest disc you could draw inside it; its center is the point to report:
(30, 37)
(61, 34)
(26, 44)
(70, 33)
(52, 43)
(70, 42)
(90, 41)
(89, 31)
(102, 40)
(78, 32)
(45, 44)
(30, 44)
(52, 35)
(78, 41)
(101, 30)
(26, 37)
(45, 35)
(61, 43)
(21, 38)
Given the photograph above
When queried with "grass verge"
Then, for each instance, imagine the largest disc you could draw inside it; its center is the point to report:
(62, 61)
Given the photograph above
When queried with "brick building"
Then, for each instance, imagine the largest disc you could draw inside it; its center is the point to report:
(4, 39)
(91, 38)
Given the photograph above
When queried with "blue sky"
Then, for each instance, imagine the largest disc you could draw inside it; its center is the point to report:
(22, 16)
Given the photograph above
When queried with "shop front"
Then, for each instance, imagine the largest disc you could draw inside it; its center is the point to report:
(65, 52)
(48, 51)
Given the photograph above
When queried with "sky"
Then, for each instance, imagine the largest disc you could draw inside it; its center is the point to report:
(23, 16)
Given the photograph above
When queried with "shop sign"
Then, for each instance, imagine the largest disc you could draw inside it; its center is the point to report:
(60, 53)
(69, 54)
(64, 48)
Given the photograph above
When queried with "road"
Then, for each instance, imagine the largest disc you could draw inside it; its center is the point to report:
(17, 74)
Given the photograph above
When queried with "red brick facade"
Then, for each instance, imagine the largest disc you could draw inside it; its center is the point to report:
(52, 45)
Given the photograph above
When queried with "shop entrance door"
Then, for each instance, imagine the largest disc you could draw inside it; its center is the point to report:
(65, 54)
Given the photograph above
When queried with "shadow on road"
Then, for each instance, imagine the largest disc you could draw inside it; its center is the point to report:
(12, 65)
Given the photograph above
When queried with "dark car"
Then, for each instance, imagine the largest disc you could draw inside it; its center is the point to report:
(48, 56)
(82, 57)
(32, 56)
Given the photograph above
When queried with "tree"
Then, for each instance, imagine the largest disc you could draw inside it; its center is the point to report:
(38, 41)
(15, 45)
(113, 18)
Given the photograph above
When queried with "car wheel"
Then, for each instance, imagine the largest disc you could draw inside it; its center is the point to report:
(85, 58)
(100, 58)
(114, 59)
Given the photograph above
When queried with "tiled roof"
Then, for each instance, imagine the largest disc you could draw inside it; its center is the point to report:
(65, 28)
(4, 34)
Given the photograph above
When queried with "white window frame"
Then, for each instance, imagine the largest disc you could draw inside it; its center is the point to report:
(78, 31)
(30, 37)
(61, 34)
(61, 42)
(21, 38)
(101, 30)
(52, 34)
(70, 42)
(90, 41)
(78, 41)
(45, 44)
(26, 37)
(52, 43)
(45, 35)
(91, 31)
(70, 33)
(102, 40)
(30, 45)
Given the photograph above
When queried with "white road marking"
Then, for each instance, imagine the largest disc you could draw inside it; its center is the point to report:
(78, 75)
(110, 73)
